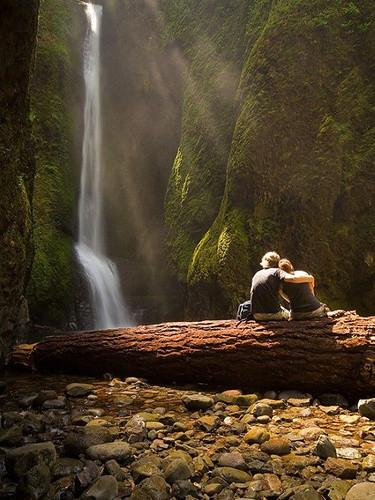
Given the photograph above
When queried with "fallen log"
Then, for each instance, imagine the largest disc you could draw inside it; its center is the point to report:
(316, 355)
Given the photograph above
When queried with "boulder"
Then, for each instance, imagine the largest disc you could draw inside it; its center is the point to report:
(20, 460)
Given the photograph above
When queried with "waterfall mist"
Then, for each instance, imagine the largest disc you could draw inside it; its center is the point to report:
(107, 303)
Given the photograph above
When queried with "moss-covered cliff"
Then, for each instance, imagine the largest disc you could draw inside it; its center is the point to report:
(55, 81)
(298, 160)
(18, 26)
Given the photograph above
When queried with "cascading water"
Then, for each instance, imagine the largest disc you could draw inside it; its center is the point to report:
(105, 290)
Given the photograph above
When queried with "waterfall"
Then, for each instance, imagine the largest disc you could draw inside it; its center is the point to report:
(102, 275)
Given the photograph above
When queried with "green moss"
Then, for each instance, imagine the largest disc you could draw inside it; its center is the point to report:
(50, 291)
(299, 175)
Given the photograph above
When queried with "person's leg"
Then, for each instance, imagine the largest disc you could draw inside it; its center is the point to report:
(321, 312)
(281, 315)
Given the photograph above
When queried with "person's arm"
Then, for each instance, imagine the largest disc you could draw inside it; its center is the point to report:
(300, 278)
(283, 295)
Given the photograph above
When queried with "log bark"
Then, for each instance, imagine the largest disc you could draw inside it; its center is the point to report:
(320, 355)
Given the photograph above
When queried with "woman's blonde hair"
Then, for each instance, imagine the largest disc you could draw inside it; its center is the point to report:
(286, 265)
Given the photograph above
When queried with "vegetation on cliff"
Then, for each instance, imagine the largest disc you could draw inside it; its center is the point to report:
(18, 26)
(298, 177)
(50, 291)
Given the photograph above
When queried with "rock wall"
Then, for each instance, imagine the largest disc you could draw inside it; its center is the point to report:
(18, 27)
(56, 105)
(288, 165)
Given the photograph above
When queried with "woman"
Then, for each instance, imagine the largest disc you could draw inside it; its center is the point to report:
(303, 303)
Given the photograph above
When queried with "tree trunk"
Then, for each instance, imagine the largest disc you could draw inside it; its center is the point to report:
(321, 355)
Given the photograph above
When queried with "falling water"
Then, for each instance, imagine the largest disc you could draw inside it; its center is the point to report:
(107, 302)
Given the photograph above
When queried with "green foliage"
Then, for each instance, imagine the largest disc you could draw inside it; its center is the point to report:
(50, 289)
(300, 138)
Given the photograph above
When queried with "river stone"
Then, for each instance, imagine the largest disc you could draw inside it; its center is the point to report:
(152, 488)
(65, 467)
(63, 488)
(79, 390)
(366, 408)
(245, 400)
(275, 404)
(135, 429)
(286, 395)
(256, 435)
(112, 468)
(208, 422)
(79, 441)
(349, 419)
(361, 491)
(336, 489)
(308, 494)
(34, 483)
(20, 460)
(261, 409)
(184, 488)
(148, 417)
(228, 396)
(146, 466)
(368, 463)
(231, 475)
(349, 453)
(325, 448)
(45, 395)
(233, 459)
(331, 399)
(341, 468)
(12, 436)
(118, 450)
(176, 470)
(276, 446)
(213, 489)
(54, 404)
(197, 401)
(104, 488)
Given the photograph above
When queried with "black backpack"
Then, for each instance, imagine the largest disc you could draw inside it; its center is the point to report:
(244, 311)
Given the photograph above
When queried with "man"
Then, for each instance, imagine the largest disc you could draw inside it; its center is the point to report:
(265, 286)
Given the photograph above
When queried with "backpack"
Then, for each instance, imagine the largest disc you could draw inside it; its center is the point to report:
(244, 311)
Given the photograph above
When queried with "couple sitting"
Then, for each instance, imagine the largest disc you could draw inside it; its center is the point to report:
(279, 278)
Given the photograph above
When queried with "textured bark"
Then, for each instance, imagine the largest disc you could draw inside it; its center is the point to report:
(323, 355)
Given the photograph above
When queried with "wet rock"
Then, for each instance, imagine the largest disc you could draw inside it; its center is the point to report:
(3, 386)
(349, 419)
(62, 489)
(257, 435)
(231, 475)
(35, 482)
(89, 473)
(286, 395)
(330, 410)
(184, 488)
(28, 400)
(197, 401)
(114, 469)
(167, 418)
(152, 488)
(104, 488)
(335, 489)
(79, 441)
(307, 494)
(349, 453)
(233, 459)
(45, 395)
(66, 467)
(212, 489)
(79, 390)
(176, 470)
(275, 404)
(341, 468)
(11, 436)
(208, 422)
(58, 403)
(20, 460)
(263, 419)
(33, 423)
(135, 429)
(228, 396)
(368, 463)
(154, 426)
(245, 400)
(148, 417)
(325, 448)
(146, 467)
(331, 399)
(261, 409)
(366, 408)
(118, 450)
(276, 446)
(361, 491)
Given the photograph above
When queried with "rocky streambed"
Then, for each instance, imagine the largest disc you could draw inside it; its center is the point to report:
(64, 438)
